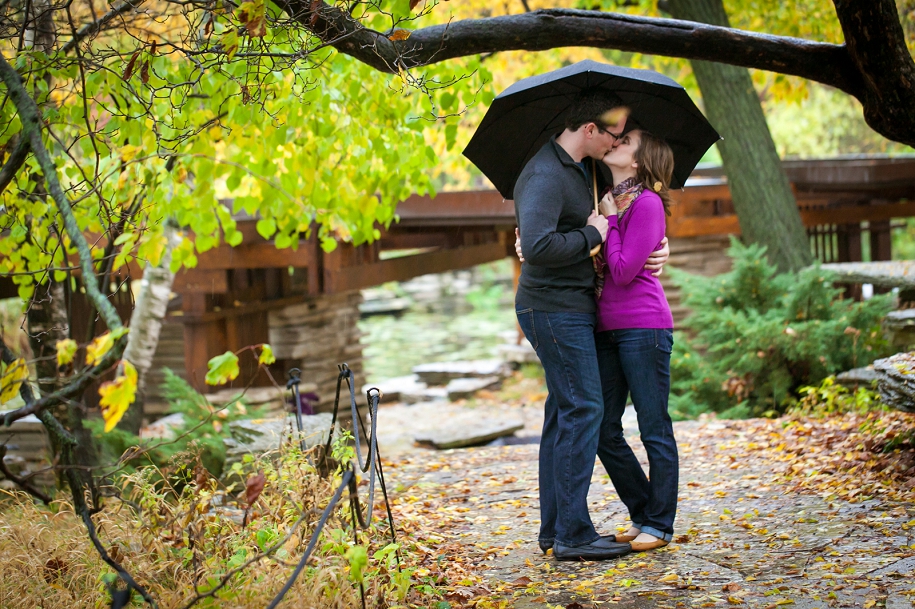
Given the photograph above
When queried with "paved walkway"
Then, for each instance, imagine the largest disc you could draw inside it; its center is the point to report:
(741, 538)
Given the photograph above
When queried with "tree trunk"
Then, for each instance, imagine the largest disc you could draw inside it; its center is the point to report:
(146, 322)
(765, 206)
(48, 323)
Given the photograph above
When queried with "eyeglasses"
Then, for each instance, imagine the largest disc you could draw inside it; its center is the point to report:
(613, 135)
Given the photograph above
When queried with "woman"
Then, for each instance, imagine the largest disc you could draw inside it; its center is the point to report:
(634, 338)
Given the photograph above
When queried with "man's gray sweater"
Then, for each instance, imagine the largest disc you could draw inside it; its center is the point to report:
(553, 200)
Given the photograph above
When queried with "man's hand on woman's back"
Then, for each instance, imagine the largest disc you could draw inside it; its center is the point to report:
(655, 264)
(658, 259)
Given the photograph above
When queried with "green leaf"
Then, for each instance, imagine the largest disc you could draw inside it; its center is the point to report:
(266, 227)
(358, 560)
(266, 357)
(222, 369)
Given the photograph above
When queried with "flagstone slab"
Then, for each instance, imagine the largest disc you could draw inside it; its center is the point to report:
(459, 389)
(440, 373)
(470, 433)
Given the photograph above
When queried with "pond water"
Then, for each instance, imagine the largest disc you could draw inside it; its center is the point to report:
(461, 315)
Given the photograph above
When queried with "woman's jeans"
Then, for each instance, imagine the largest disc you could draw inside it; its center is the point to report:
(637, 361)
(564, 342)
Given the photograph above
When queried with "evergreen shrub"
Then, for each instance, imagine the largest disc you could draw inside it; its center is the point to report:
(755, 336)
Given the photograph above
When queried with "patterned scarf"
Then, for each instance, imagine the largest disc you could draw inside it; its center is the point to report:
(624, 194)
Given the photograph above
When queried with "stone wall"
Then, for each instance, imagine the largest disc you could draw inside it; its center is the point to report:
(315, 336)
(697, 255)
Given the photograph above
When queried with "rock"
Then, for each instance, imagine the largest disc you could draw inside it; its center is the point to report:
(519, 354)
(258, 436)
(426, 394)
(393, 389)
(384, 306)
(470, 434)
(28, 450)
(892, 274)
(459, 389)
(271, 399)
(440, 373)
(896, 380)
(857, 377)
(163, 428)
(900, 328)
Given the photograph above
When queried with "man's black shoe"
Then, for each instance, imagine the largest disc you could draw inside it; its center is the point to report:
(545, 546)
(601, 549)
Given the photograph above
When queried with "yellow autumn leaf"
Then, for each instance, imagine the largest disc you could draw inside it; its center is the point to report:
(670, 577)
(118, 395)
(12, 379)
(102, 345)
(66, 349)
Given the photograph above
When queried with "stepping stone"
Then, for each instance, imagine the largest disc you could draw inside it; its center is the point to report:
(440, 373)
(857, 377)
(519, 354)
(470, 434)
(459, 389)
(394, 389)
(384, 306)
(426, 394)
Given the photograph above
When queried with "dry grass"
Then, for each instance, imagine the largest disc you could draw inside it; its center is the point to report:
(183, 540)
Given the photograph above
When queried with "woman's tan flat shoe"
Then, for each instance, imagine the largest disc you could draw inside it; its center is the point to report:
(623, 537)
(646, 545)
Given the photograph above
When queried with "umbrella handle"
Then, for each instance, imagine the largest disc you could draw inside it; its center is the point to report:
(596, 249)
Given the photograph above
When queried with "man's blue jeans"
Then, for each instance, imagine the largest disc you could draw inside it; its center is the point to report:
(637, 361)
(564, 342)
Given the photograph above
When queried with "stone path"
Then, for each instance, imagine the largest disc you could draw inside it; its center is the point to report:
(741, 540)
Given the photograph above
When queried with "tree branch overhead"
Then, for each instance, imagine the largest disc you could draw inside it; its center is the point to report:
(847, 67)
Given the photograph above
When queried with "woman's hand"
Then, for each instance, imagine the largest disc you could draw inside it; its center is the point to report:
(608, 205)
(518, 245)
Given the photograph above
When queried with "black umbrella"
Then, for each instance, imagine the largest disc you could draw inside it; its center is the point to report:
(524, 116)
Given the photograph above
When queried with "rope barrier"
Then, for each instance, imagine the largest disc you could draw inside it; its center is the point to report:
(371, 465)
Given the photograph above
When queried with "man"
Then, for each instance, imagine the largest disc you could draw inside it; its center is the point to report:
(556, 311)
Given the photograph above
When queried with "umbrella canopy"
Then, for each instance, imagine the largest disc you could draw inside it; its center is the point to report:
(524, 116)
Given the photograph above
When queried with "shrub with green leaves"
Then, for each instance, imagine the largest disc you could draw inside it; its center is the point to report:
(755, 336)
(199, 437)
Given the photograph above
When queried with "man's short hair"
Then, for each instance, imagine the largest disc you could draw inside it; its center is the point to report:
(589, 107)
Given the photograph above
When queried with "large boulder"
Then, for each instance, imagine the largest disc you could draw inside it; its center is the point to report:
(896, 380)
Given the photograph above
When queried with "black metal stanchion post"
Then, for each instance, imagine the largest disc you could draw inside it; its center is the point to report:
(293, 383)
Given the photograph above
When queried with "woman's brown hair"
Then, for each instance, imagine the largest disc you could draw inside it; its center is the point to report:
(655, 166)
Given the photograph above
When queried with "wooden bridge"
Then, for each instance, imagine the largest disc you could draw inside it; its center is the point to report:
(305, 301)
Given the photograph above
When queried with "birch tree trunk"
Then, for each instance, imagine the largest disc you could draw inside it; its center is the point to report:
(146, 322)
